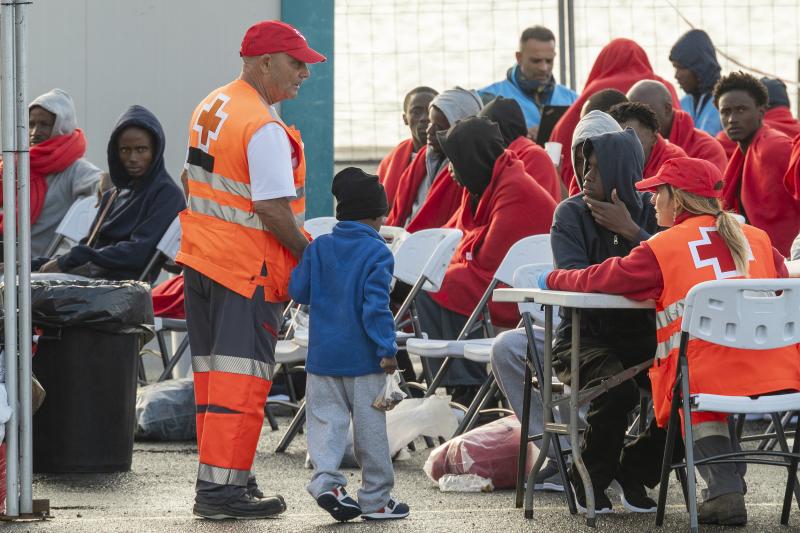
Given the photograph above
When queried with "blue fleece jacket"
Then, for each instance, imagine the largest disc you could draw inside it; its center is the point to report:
(345, 278)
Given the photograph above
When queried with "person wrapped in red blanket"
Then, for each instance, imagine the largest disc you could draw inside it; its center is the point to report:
(507, 113)
(426, 196)
(643, 121)
(415, 116)
(500, 204)
(619, 65)
(754, 178)
(677, 125)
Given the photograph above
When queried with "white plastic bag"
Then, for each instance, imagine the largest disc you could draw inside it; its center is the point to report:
(465, 483)
(391, 394)
(414, 417)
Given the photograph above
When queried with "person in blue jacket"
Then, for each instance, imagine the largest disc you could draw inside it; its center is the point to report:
(697, 71)
(531, 82)
(345, 278)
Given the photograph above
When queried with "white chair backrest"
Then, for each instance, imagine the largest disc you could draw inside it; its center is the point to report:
(533, 249)
(426, 252)
(394, 236)
(527, 277)
(319, 226)
(744, 313)
(170, 242)
(78, 221)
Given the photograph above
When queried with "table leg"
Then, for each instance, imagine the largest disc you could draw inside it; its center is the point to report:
(574, 434)
(546, 387)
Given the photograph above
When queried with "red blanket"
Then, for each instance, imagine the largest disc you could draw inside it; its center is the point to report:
(538, 165)
(696, 142)
(391, 168)
(764, 199)
(168, 299)
(512, 207)
(443, 200)
(662, 151)
(49, 157)
(791, 179)
(406, 190)
(620, 64)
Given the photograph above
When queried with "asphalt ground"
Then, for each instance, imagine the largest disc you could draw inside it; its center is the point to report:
(157, 496)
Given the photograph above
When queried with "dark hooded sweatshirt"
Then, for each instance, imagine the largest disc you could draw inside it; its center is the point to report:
(695, 51)
(578, 241)
(140, 212)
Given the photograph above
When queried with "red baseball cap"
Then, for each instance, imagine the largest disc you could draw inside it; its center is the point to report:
(696, 176)
(273, 36)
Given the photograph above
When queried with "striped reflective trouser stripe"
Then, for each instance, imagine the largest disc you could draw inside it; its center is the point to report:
(232, 365)
(222, 476)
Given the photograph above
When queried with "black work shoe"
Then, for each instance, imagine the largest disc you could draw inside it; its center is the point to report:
(725, 510)
(245, 508)
(255, 492)
(634, 496)
(602, 505)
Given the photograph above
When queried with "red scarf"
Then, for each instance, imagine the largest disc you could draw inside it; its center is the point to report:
(662, 151)
(442, 201)
(512, 207)
(49, 157)
(728, 145)
(695, 142)
(391, 168)
(406, 190)
(619, 65)
(538, 165)
(755, 187)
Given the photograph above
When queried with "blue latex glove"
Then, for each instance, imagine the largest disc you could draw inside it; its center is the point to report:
(542, 280)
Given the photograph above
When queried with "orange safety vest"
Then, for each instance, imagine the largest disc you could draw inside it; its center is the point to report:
(222, 236)
(684, 260)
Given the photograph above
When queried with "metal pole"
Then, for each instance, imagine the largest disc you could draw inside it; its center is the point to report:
(24, 256)
(562, 41)
(9, 253)
(571, 32)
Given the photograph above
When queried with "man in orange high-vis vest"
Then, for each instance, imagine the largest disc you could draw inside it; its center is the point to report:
(244, 178)
(702, 243)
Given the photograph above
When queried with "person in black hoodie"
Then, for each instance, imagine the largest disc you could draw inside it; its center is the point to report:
(697, 71)
(133, 215)
(609, 219)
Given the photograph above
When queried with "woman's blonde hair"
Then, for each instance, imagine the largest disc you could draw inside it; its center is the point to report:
(728, 227)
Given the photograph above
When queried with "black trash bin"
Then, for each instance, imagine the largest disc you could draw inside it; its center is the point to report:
(87, 362)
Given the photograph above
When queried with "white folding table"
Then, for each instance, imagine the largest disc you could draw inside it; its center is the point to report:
(575, 301)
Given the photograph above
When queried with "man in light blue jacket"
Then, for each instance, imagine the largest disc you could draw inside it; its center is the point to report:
(531, 82)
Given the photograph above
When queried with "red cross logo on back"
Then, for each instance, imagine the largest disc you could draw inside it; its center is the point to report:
(706, 252)
(209, 121)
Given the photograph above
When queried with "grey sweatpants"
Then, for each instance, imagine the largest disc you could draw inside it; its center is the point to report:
(508, 365)
(331, 402)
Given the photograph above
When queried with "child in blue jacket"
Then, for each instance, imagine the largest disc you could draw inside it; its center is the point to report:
(345, 278)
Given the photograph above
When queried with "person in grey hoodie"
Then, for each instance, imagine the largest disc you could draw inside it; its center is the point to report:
(50, 115)
(697, 71)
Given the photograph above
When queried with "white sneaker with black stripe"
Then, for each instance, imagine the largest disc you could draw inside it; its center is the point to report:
(339, 504)
(391, 511)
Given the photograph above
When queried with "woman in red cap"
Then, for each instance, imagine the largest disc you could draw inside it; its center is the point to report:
(702, 243)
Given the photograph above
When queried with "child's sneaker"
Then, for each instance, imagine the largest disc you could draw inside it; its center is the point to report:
(392, 511)
(339, 504)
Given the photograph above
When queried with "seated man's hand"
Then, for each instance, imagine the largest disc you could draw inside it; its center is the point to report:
(614, 216)
(389, 364)
(50, 267)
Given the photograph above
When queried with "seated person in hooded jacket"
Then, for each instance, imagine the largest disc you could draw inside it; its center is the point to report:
(135, 213)
(500, 204)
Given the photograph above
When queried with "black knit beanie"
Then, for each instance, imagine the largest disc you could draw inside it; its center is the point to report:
(358, 195)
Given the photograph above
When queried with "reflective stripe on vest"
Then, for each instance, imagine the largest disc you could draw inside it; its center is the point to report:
(666, 321)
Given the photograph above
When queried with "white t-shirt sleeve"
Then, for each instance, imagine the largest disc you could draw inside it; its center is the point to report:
(269, 157)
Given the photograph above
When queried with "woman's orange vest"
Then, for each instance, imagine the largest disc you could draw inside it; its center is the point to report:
(684, 260)
(222, 236)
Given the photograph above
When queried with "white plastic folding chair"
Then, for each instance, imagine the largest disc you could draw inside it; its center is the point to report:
(75, 225)
(319, 226)
(394, 236)
(421, 260)
(532, 249)
(752, 314)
